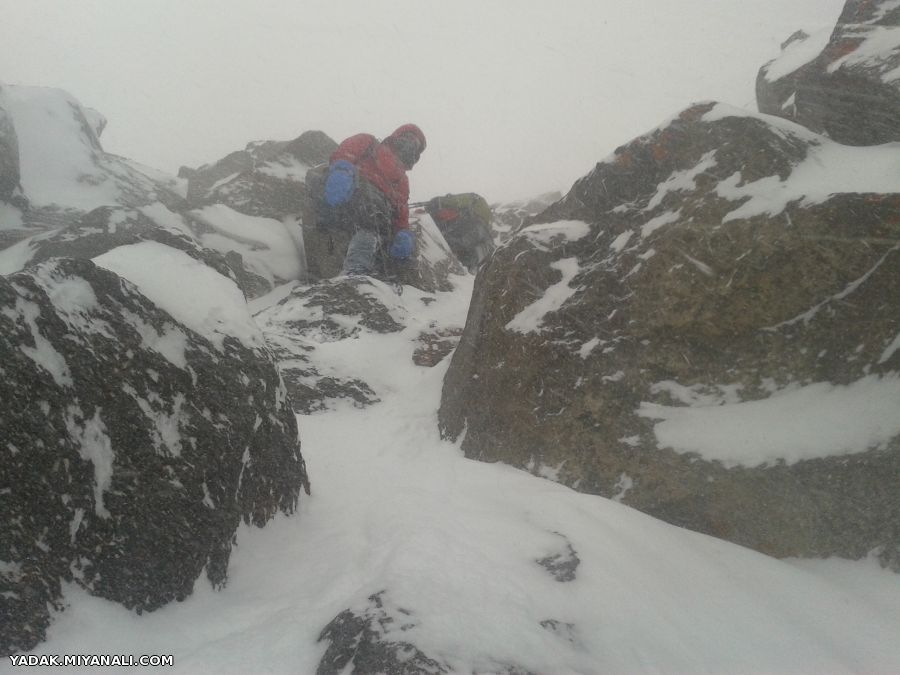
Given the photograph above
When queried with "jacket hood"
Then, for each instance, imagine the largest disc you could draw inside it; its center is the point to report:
(409, 129)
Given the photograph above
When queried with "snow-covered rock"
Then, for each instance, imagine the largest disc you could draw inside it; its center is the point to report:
(361, 639)
(143, 414)
(55, 174)
(265, 252)
(63, 170)
(104, 229)
(310, 317)
(509, 217)
(844, 83)
(433, 265)
(705, 328)
(256, 253)
(411, 556)
(310, 327)
(266, 179)
(139, 426)
(314, 331)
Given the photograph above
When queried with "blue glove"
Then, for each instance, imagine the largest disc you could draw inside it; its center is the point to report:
(340, 183)
(402, 246)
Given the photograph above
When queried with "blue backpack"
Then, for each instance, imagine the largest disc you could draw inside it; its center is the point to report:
(340, 183)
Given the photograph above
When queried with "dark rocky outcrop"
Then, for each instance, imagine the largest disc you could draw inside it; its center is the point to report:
(562, 565)
(689, 270)
(851, 89)
(265, 179)
(435, 345)
(132, 446)
(373, 639)
(359, 640)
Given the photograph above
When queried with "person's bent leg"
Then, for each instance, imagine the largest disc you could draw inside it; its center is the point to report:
(360, 258)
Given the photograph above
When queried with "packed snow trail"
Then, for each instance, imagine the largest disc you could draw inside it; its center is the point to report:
(457, 544)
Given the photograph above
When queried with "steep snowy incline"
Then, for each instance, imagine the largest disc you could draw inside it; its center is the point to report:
(462, 566)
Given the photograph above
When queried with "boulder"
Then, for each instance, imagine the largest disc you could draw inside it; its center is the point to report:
(62, 166)
(845, 84)
(266, 179)
(704, 328)
(434, 345)
(256, 272)
(265, 252)
(374, 638)
(141, 423)
(139, 428)
(370, 640)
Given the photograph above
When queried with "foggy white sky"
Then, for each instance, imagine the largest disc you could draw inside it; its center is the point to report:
(516, 97)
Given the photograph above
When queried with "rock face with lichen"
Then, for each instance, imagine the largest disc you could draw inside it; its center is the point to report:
(669, 333)
(846, 84)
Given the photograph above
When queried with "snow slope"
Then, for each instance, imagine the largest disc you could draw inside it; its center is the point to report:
(457, 543)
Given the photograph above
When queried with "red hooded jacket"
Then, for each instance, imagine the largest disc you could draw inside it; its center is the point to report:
(378, 164)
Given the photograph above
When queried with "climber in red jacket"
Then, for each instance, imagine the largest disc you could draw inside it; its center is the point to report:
(376, 206)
